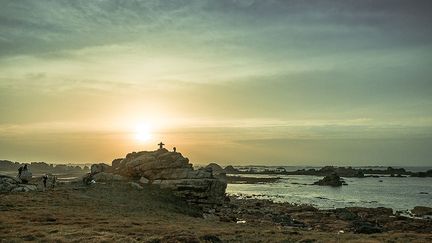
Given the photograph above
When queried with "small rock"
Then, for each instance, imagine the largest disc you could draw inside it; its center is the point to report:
(181, 237)
(226, 218)
(144, 180)
(136, 185)
(210, 217)
(421, 211)
(157, 182)
(345, 214)
(101, 167)
(211, 239)
(51, 218)
(363, 227)
(107, 177)
(18, 189)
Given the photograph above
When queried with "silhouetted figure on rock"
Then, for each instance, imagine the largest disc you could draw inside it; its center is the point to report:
(161, 145)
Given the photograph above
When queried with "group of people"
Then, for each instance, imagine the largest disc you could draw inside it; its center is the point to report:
(23, 169)
(45, 179)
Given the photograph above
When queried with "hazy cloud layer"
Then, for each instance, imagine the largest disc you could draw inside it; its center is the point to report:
(240, 74)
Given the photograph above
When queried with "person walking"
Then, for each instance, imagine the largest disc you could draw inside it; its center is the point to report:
(45, 178)
(20, 169)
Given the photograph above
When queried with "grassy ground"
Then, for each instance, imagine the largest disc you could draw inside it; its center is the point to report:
(116, 212)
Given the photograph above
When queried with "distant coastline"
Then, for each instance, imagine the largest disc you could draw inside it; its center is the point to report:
(344, 171)
(327, 170)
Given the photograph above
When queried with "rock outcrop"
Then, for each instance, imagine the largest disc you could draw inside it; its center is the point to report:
(421, 211)
(101, 167)
(331, 180)
(10, 184)
(107, 177)
(215, 168)
(231, 170)
(169, 170)
(422, 174)
(25, 176)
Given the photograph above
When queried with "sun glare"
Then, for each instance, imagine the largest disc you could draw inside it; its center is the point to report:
(143, 133)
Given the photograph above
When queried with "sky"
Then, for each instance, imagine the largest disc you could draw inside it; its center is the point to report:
(277, 82)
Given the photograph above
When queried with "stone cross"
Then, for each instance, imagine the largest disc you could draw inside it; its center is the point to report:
(161, 145)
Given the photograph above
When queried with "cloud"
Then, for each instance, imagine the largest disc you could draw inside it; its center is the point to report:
(35, 27)
(260, 69)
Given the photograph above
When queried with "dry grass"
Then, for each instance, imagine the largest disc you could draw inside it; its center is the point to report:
(117, 213)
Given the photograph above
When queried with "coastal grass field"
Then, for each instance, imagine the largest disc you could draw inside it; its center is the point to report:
(116, 212)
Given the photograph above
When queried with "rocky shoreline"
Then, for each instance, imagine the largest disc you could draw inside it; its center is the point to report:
(350, 219)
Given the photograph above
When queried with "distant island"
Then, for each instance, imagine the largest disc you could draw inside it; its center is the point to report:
(328, 170)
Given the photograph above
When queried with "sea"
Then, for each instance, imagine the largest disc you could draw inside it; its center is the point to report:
(400, 194)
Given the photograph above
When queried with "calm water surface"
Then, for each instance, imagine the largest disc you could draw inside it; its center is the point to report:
(396, 193)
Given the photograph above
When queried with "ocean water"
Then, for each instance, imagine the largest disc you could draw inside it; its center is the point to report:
(391, 192)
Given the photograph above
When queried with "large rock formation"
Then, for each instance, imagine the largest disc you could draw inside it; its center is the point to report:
(169, 170)
(10, 184)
